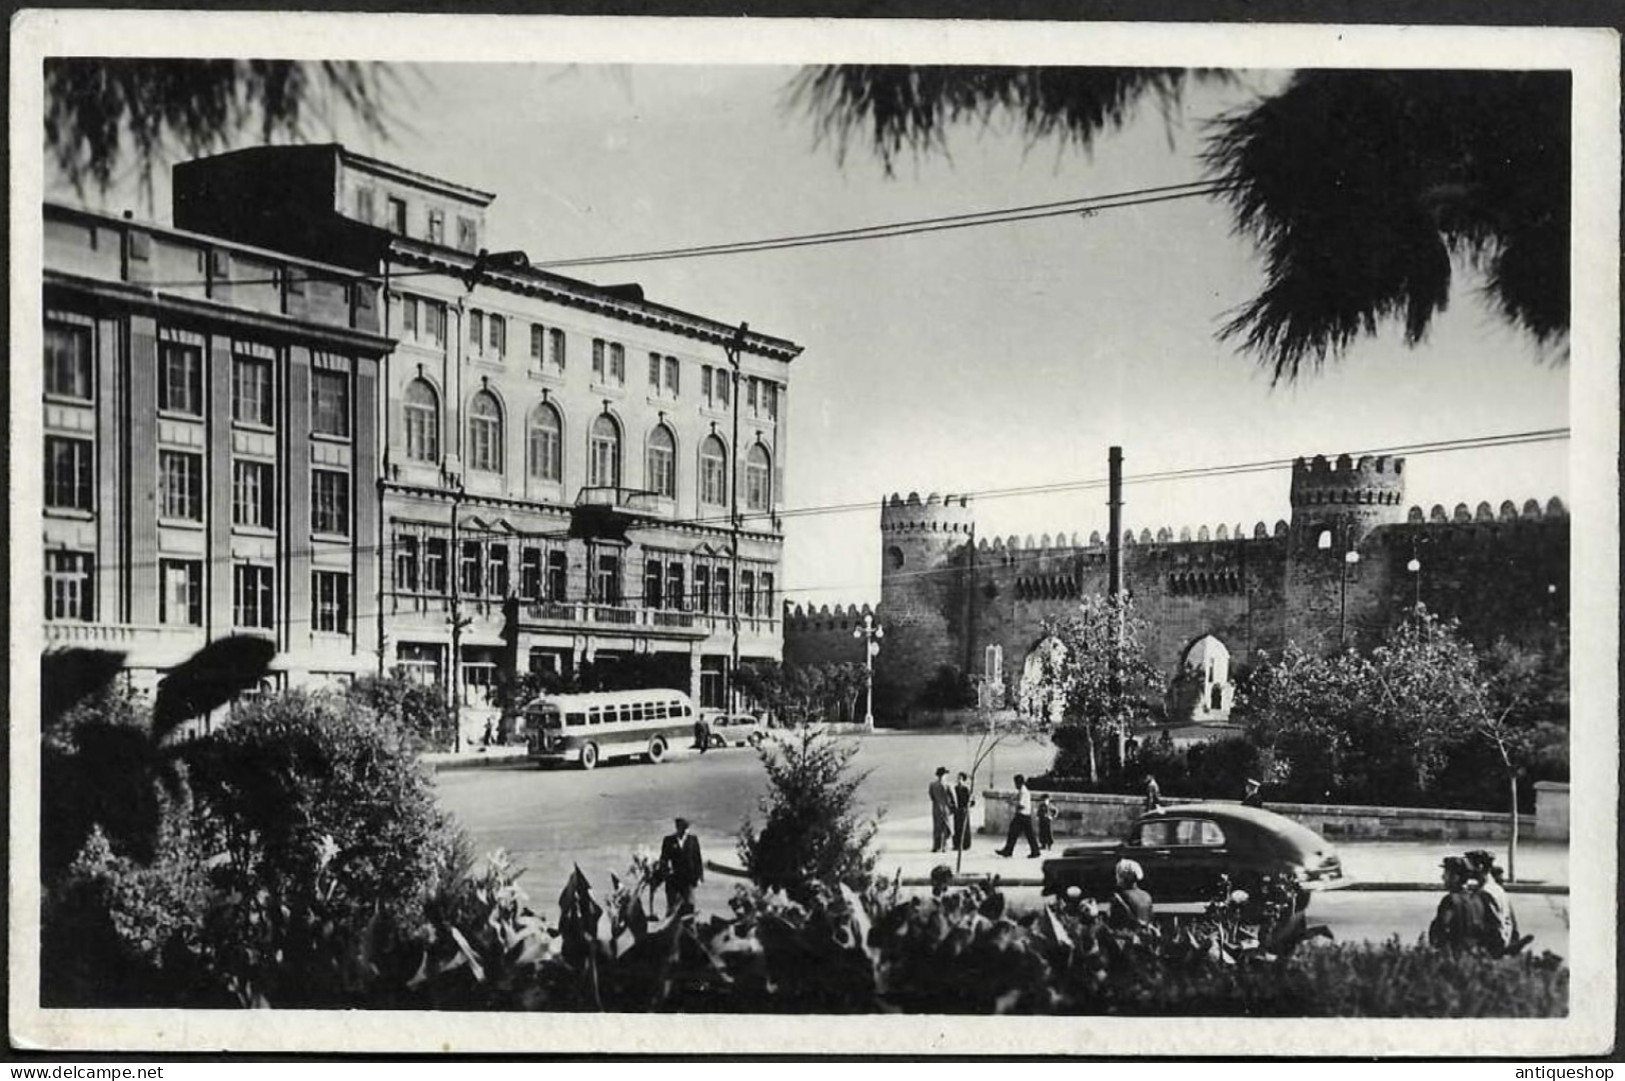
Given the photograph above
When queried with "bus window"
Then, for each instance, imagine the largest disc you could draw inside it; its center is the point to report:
(594, 715)
(545, 718)
(637, 711)
(575, 720)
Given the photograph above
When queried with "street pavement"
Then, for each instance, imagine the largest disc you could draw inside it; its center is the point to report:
(555, 819)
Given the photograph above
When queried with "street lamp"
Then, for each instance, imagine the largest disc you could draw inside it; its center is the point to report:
(1415, 567)
(1350, 559)
(871, 633)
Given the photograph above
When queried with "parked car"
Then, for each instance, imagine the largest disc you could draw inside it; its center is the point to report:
(733, 729)
(1185, 849)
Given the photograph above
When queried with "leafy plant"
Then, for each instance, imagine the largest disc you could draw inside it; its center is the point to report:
(812, 829)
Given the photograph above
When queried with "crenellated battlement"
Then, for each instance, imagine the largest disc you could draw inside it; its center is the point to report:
(820, 617)
(1062, 543)
(934, 514)
(1378, 480)
(1532, 511)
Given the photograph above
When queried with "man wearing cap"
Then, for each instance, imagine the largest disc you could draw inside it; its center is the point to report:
(680, 868)
(1253, 796)
(942, 811)
(1461, 919)
(1501, 925)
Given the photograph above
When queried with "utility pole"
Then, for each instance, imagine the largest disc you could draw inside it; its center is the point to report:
(457, 620)
(732, 350)
(1114, 549)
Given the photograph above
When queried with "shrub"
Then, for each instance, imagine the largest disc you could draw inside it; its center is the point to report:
(812, 829)
(420, 708)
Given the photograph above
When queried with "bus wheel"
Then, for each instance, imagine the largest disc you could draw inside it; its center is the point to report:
(589, 755)
(657, 749)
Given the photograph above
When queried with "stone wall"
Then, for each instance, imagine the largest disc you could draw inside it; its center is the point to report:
(1101, 817)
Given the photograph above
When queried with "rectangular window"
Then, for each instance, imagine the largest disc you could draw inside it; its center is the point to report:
(69, 473)
(469, 569)
(467, 234)
(180, 378)
(496, 577)
(674, 587)
(434, 322)
(653, 577)
(538, 341)
(598, 359)
(252, 400)
(705, 383)
(180, 485)
(724, 377)
(406, 563)
(434, 565)
(751, 388)
(747, 593)
(770, 399)
(617, 364)
(397, 216)
(767, 595)
(67, 361)
(499, 335)
(476, 329)
(67, 586)
(180, 596)
(608, 583)
(671, 376)
(530, 574)
(654, 373)
(330, 602)
(409, 316)
(330, 502)
(558, 576)
(555, 339)
(724, 592)
(364, 205)
(702, 588)
(437, 226)
(330, 402)
(253, 494)
(252, 595)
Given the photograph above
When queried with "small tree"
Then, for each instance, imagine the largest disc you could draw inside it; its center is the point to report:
(812, 829)
(1100, 676)
(420, 708)
(989, 734)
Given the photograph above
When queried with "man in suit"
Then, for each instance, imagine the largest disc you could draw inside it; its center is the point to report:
(681, 868)
(962, 805)
(942, 810)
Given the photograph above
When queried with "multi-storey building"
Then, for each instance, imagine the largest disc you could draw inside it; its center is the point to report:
(559, 461)
(209, 446)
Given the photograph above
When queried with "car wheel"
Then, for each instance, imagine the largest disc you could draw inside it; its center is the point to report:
(589, 755)
(755, 739)
(657, 749)
(718, 739)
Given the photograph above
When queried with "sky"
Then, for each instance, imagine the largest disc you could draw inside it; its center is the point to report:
(974, 360)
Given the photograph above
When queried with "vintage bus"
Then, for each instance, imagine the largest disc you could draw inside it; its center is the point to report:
(588, 728)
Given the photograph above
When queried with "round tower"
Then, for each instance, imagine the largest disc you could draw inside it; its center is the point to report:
(923, 601)
(1344, 500)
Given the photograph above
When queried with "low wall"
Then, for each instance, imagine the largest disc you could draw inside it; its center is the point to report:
(1088, 815)
(1552, 810)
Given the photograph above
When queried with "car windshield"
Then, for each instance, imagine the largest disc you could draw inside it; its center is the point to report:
(545, 718)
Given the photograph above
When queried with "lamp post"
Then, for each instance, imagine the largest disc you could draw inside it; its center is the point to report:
(1350, 559)
(731, 350)
(871, 633)
(1415, 567)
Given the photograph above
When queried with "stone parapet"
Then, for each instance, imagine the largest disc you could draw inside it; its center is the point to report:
(1093, 815)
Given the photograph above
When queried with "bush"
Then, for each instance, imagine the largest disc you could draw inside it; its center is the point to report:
(812, 830)
(420, 708)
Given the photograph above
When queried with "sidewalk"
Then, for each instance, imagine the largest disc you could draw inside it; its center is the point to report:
(905, 847)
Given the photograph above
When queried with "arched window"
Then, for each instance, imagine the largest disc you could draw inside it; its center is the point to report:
(604, 453)
(713, 472)
(758, 479)
(485, 433)
(662, 462)
(545, 443)
(422, 407)
(1324, 541)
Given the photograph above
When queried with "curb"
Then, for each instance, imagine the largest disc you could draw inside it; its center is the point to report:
(509, 761)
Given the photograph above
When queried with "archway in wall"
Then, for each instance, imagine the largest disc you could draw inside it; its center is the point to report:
(1036, 699)
(1206, 692)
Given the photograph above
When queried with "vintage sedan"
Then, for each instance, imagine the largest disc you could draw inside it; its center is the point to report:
(733, 729)
(1186, 849)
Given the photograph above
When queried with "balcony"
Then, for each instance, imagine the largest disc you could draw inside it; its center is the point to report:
(657, 622)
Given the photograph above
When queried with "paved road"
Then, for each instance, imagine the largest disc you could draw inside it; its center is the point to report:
(551, 820)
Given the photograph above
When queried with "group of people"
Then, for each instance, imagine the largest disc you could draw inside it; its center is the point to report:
(950, 812)
(1252, 794)
(1475, 912)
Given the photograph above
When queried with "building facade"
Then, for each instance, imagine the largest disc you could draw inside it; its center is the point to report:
(1350, 564)
(210, 448)
(559, 463)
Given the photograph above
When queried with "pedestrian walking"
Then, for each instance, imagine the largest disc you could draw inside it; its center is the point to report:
(1153, 793)
(681, 868)
(1253, 794)
(1131, 906)
(1459, 923)
(942, 811)
(1046, 819)
(963, 802)
(1021, 823)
